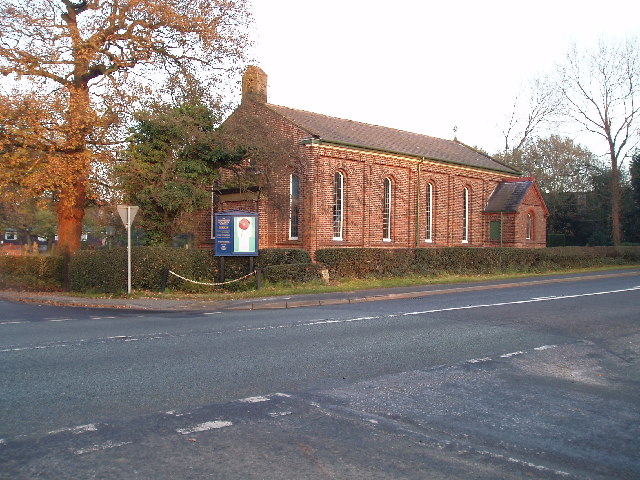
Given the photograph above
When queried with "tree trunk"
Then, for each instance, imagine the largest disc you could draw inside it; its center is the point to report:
(77, 163)
(615, 206)
(615, 196)
(70, 216)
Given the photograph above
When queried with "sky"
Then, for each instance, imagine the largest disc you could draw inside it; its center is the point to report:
(421, 65)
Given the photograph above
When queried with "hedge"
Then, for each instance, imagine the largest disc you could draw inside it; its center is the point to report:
(36, 272)
(106, 270)
(378, 262)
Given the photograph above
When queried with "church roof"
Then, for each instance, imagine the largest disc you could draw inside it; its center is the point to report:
(363, 135)
(507, 196)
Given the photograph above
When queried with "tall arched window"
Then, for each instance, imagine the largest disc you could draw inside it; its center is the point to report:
(338, 205)
(465, 215)
(429, 213)
(386, 211)
(529, 226)
(294, 206)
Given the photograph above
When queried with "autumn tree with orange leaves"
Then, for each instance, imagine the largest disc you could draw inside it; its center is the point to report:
(73, 71)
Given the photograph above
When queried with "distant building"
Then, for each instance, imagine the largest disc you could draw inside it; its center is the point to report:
(359, 185)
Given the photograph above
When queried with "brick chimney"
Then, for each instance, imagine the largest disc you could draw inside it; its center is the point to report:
(254, 85)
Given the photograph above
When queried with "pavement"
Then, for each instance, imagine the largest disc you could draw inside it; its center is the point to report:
(159, 303)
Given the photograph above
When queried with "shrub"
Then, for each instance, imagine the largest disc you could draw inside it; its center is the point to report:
(362, 262)
(292, 273)
(366, 262)
(106, 270)
(31, 272)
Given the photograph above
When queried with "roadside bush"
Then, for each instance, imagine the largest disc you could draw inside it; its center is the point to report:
(362, 262)
(31, 272)
(106, 270)
(292, 273)
(366, 262)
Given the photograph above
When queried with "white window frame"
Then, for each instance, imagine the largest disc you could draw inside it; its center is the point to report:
(429, 214)
(465, 215)
(387, 210)
(294, 207)
(338, 206)
(11, 236)
(529, 226)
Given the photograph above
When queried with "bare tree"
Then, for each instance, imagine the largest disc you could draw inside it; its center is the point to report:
(534, 107)
(601, 89)
(77, 64)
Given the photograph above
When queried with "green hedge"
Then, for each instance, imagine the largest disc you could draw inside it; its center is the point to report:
(293, 273)
(377, 262)
(106, 270)
(31, 272)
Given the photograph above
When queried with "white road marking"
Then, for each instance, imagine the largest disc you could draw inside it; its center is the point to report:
(100, 447)
(211, 313)
(279, 414)
(540, 468)
(77, 430)
(479, 360)
(512, 354)
(12, 322)
(203, 427)
(254, 399)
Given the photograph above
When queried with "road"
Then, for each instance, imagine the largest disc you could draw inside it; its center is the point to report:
(537, 381)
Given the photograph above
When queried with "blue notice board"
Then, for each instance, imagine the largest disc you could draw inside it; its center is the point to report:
(236, 234)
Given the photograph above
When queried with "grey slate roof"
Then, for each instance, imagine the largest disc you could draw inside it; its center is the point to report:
(352, 133)
(507, 196)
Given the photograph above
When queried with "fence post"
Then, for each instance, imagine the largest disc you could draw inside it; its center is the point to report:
(165, 278)
(259, 278)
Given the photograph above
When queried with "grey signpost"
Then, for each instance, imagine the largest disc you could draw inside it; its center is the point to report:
(127, 214)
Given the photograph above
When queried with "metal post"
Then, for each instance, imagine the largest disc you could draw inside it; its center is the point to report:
(129, 250)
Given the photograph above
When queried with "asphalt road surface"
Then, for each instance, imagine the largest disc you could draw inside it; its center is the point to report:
(537, 381)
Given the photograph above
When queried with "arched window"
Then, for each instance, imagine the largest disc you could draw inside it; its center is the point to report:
(386, 211)
(465, 215)
(529, 226)
(338, 205)
(294, 206)
(429, 213)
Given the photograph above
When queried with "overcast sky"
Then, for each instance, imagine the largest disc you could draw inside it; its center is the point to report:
(420, 65)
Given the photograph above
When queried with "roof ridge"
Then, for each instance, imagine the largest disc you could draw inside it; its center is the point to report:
(355, 133)
(374, 125)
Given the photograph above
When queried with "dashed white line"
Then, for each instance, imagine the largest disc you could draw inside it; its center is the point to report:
(257, 399)
(479, 360)
(540, 468)
(203, 427)
(16, 322)
(545, 347)
(512, 354)
(100, 447)
(77, 430)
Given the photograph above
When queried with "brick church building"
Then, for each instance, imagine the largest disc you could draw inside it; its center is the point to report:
(332, 182)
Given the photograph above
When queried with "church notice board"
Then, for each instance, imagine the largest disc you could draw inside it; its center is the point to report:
(236, 234)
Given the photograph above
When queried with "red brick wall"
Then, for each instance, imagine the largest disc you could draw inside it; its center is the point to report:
(364, 173)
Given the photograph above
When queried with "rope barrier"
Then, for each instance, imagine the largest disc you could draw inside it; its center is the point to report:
(212, 284)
